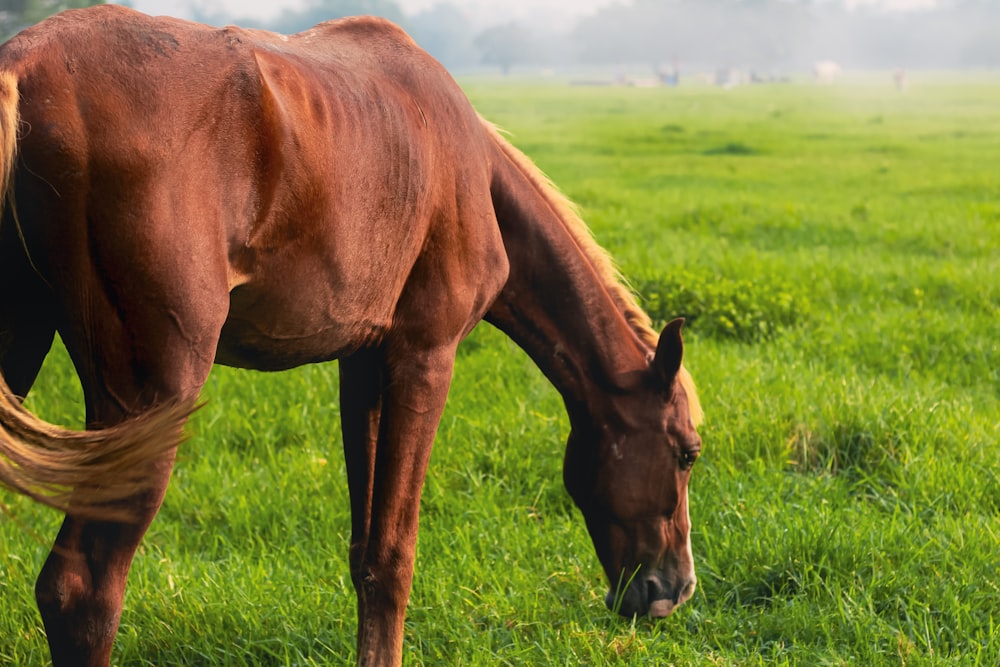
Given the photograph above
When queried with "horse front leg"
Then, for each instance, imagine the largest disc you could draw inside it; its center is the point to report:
(387, 476)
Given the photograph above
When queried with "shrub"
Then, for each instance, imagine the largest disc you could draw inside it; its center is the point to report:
(746, 310)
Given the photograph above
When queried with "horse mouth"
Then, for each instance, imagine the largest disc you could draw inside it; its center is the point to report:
(660, 605)
(661, 608)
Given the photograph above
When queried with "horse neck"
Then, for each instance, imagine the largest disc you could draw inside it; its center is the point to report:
(563, 303)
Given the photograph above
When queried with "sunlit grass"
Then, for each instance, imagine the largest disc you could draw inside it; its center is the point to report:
(846, 510)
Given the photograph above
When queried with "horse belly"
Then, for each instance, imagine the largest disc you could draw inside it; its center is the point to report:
(276, 330)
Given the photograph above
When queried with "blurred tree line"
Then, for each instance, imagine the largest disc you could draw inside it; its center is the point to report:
(785, 34)
(752, 34)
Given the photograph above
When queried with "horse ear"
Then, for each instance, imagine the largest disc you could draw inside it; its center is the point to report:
(669, 351)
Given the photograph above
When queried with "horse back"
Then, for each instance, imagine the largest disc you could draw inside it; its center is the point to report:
(342, 159)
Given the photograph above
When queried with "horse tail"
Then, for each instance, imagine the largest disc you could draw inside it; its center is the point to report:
(86, 473)
(8, 131)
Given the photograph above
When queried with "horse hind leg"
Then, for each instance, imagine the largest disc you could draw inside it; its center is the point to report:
(134, 353)
(25, 340)
(81, 586)
(360, 408)
(26, 316)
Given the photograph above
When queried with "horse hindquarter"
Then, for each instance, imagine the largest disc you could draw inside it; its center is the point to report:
(138, 301)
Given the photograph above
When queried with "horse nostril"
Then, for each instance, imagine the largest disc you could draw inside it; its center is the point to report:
(688, 591)
(654, 589)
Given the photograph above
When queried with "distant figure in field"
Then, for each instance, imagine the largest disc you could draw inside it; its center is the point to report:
(899, 78)
(667, 76)
(728, 77)
(826, 71)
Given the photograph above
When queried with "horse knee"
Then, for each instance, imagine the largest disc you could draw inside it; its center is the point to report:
(386, 581)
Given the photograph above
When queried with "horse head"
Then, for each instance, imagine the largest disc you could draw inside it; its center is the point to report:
(627, 466)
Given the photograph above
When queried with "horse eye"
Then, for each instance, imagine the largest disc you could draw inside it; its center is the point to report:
(688, 457)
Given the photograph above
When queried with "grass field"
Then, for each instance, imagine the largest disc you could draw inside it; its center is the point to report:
(837, 253)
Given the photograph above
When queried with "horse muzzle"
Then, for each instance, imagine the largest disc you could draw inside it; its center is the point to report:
(651, 595)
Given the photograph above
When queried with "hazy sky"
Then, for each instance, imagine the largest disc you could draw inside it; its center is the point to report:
(263, 9)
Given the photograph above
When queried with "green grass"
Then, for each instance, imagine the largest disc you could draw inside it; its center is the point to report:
(837, 253)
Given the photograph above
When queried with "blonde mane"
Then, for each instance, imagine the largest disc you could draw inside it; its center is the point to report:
(614, 282)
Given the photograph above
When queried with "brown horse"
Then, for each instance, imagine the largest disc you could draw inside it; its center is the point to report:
(179, 195)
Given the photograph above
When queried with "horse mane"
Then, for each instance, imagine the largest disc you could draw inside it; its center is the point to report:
(604, 266)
